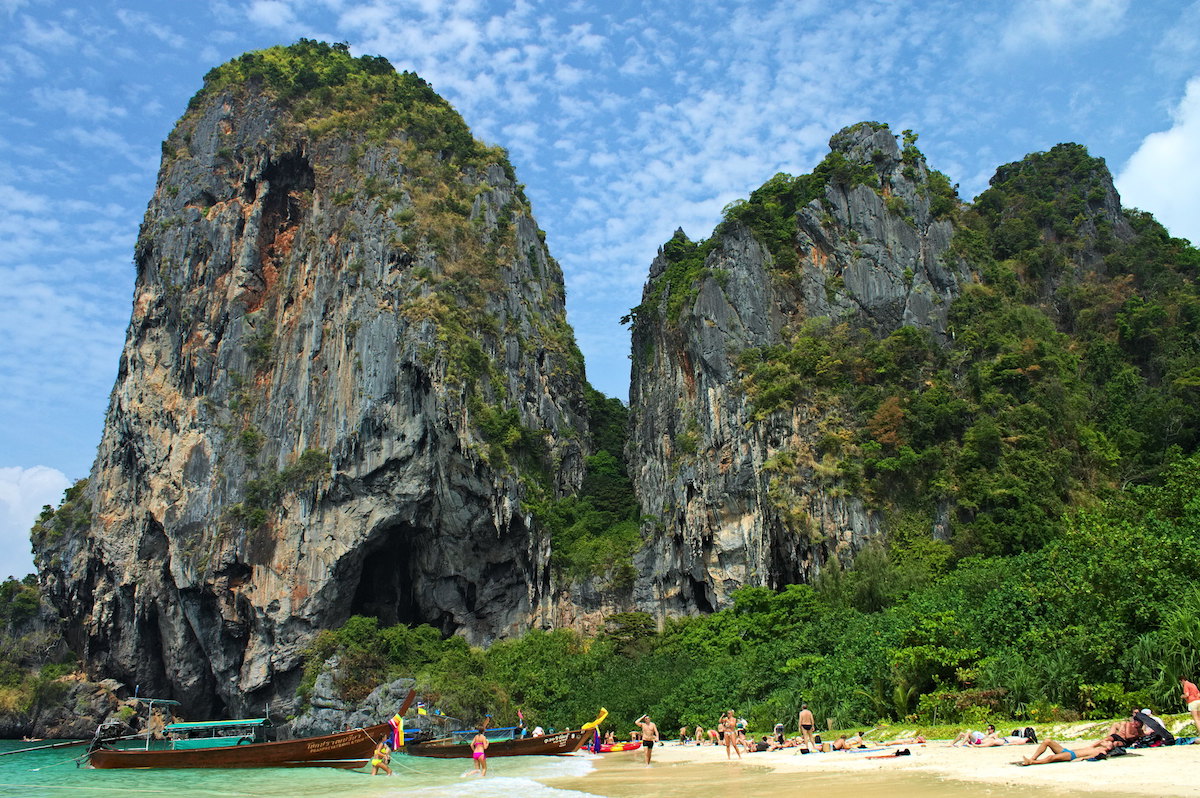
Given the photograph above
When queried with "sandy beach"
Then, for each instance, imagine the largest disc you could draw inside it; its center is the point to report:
(934, 770)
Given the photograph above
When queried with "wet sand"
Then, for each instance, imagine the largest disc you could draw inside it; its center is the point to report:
(931, 771)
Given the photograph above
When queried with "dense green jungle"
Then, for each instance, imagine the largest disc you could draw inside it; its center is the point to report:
(1060, 422)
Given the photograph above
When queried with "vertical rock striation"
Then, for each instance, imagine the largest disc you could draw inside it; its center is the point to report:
(867, 238)
(348, 362)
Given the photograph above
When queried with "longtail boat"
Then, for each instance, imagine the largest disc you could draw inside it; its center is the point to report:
(458, 745)
(240, 744)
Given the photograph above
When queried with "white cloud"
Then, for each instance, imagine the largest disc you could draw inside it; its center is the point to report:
(16, 61)
(23, 492)
(48, 36)
(1163, 175)
(1058, 22)
(1179, 48)
(144, 23)
(76, 102)
(271, 14)
(107, 139)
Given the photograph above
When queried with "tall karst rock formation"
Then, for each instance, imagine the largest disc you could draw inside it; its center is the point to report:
(348, 365)
(776, 363)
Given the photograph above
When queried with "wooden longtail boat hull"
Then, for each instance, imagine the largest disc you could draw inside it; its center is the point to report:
(348, 749)
(560, 743)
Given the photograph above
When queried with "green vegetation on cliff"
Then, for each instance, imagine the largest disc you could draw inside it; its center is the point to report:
(331, 91)
(595, 532)
(1102, 618)
(1071, 368)
(33, 655)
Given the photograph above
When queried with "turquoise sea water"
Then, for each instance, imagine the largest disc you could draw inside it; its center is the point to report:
(53, 774)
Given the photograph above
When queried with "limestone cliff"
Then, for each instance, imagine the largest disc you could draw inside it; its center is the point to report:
(348, 364)
(855, 355)
(873, 243)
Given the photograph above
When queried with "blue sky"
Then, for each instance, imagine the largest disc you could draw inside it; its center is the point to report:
(625, 120)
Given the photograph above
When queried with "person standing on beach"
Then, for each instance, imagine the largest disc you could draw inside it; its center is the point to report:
(807, 724)
(1191, 697)
(728, 727)
(699, 735)
(649, 735)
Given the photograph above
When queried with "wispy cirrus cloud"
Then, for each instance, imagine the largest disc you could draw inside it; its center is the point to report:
(144, 23)
(104, 138)
(78, 103)
(1040, 23)
(47, 35)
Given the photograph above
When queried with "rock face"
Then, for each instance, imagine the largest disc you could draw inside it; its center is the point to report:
(872, 246)
(328, 713)
(348, 351)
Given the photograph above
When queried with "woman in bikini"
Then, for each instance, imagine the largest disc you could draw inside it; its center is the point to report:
(728, 727)
(380, 759)
(479, 752)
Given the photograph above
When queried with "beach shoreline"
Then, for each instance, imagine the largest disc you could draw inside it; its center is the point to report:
(930, 770)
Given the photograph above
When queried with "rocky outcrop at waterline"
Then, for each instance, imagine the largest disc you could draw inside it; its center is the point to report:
(348, 362)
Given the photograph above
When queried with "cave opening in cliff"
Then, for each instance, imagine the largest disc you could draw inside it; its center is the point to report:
(700, 595)
(385, 587)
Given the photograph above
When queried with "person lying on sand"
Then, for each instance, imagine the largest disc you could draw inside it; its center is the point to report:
(1058, 753)
(969, 737)
(1015, 739)
(986, 739)
(856, 741)
(916, 740)
(991, 739)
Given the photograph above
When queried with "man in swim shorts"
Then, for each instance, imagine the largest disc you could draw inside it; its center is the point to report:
(806, 726)
(479, 746)
(1061, 754)
(649, 735)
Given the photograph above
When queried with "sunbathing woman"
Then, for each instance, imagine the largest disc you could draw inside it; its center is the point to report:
(917, 740)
